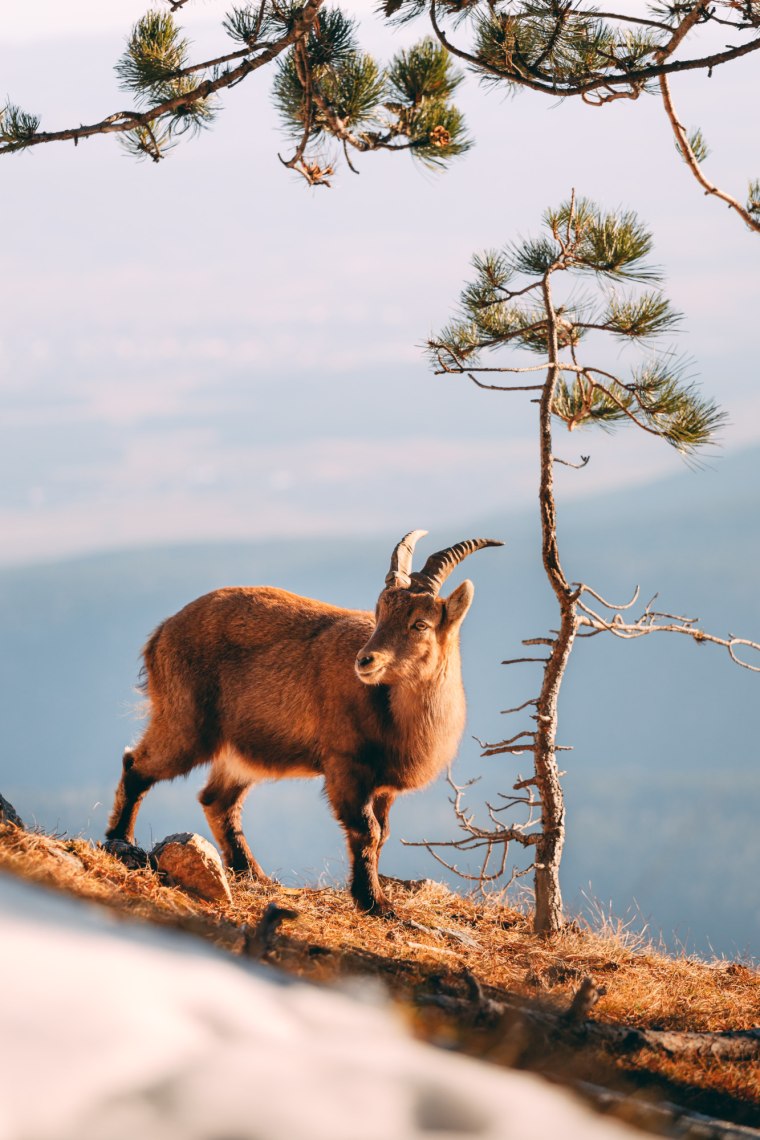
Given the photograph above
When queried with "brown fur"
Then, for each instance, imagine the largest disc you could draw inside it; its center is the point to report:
(262, 683)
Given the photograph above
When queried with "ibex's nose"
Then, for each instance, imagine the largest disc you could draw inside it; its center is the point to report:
(366, 660)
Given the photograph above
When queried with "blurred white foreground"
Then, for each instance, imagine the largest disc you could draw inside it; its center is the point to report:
(112, 1032)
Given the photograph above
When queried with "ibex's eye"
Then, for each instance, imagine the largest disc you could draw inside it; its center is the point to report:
(420, 625)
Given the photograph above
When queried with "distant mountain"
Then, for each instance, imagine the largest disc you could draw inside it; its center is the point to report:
(663, 785)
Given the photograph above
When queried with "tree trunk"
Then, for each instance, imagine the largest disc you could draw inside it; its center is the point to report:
(549, 917)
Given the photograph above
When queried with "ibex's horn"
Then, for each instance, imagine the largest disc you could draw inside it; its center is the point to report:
(400, 572)
(438, 566)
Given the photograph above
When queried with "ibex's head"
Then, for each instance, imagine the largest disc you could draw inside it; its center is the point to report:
(415, 629)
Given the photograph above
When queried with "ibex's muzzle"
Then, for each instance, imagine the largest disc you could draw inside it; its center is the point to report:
(369, 665)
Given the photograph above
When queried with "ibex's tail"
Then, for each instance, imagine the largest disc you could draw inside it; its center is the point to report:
(148, 667)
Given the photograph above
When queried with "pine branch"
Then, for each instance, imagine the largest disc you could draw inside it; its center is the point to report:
(618, 79)
(749, 214)
(124, 121)
(17, 128)
(344, 95)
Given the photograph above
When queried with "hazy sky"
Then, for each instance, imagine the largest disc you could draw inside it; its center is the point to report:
(207, 348)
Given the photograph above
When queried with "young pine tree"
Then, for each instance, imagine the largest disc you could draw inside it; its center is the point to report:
(525, 304)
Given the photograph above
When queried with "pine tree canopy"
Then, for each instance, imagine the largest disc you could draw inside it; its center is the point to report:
(336, 100)
(511, 304)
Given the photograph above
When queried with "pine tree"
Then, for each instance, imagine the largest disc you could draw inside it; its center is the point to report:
(328, 91)
(335, 99)
(524, 301)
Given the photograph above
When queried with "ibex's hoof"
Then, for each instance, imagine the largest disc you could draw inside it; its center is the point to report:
(385, 911)
(377, 908)
(129, 854)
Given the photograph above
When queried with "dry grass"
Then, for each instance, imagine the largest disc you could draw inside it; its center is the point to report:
(440, 938)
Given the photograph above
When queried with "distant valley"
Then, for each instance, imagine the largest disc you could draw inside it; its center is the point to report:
(663, 785)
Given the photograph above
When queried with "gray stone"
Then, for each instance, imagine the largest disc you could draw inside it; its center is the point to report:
(57, 851)
(8, 813)
(192, 863)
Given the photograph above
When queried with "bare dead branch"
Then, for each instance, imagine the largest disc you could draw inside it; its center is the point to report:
(584, 1000)
(521, 660)
(507, 745)
(567, 463)
(511, 740)
(514, 749)
(510, 801)
(531, 781)
(347, 157)
(652, 621)
(259, 941)
(519, 708)
(582, 588)
(504, 368)
(491, 841)
(506, 387)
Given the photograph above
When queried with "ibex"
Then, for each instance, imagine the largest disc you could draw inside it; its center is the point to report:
(264, 684)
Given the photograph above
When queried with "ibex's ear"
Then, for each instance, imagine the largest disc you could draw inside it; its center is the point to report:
(458, 603)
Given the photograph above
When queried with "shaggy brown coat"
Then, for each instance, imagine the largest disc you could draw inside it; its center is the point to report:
(263, 684)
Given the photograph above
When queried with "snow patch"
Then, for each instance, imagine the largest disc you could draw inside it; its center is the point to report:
(112, 1032)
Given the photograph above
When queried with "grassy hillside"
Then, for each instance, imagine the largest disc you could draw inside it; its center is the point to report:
(664, 734)
(470, 976)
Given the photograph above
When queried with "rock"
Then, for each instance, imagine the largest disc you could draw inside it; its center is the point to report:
(192, 863)
(8, 813)
(56, 849)
(129, 854)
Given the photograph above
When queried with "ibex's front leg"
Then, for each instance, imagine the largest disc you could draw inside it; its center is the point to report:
(353, 806)
(382, 804)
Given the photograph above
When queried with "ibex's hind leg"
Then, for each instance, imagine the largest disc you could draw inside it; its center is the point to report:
(129, 795)
(151, 760)
(222, 801)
